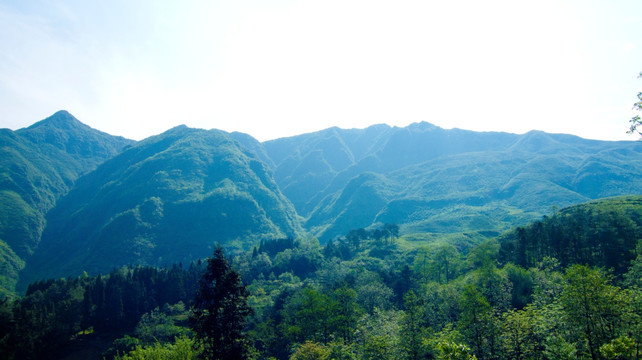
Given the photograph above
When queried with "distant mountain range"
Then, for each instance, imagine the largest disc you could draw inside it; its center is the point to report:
(107, 201)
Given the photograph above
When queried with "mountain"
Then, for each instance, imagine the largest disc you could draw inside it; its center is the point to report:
(164, 200)
(430, 179)
(170, 197)
(38, 165)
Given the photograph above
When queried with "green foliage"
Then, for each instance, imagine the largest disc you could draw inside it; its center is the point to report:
(10, 265)
(636, 121)
(55, 314)
(181, 349)
(157, 326)
(378, 332)
(593, 305)
(621, 348)
(311, 351)
(453, 351)
(412, 332)
(602, 233)
(438, 262)
(219, 311)
(478, 323)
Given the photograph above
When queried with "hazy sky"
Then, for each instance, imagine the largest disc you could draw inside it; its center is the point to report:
(280, 68)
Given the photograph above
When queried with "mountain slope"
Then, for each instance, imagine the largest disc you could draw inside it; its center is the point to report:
(446, 181)
(39, 164)
(167, 199)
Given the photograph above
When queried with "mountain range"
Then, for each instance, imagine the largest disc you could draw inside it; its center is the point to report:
(75, 199)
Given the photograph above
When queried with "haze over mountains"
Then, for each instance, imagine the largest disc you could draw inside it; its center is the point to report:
(109, 201)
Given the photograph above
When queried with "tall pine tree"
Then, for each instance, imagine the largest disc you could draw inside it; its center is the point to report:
(219, 311)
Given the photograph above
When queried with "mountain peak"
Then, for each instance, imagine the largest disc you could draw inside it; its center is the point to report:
(423, 126)
(61, 120)
(63, 131)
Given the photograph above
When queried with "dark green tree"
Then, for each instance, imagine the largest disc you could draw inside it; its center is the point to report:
(219, 311)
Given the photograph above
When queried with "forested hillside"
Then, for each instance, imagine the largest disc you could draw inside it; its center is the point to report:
(164, 200)
(38, 165)
(602, 233)
(369, 294)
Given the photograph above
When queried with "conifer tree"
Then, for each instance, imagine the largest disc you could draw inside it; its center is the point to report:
(219, 311)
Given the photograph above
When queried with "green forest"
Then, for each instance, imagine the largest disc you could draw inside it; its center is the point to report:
(568, 286)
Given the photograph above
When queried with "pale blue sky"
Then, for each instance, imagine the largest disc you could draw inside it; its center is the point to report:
(280, 68)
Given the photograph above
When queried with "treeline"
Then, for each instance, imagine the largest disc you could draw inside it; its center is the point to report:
(54, 312)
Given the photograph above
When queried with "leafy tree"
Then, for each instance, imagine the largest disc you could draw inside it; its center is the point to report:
(494, 285)
(522, 285)
(157, 326)
(592, 305)
(374, 295)
(219, 311)
(450, 345)
(182, 349)
(413, 331)
(438, 262)
(518, 334)
(441, 304)
(391, 231)
(347, 312)
(311, 351)
(483, 255)
(621, 348)
(378, 335)
(453, 351)
(477, 322)
(310, 315)
(636, 121)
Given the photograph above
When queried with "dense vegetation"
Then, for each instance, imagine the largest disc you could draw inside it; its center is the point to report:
(600, 233)
(137, 300)
(372, 294)
(38, 165)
